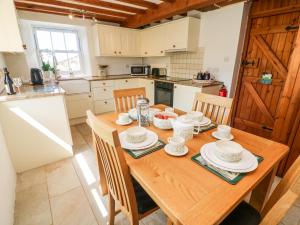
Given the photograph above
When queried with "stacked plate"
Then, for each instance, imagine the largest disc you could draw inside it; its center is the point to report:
(204, 122)
(148, 141)
(246, 162)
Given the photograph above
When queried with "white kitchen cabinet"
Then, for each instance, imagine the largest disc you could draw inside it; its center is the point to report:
(103, 106)
(10, 38)
(116, 41)
(153, 41)
(102, 93)
(183, 98)
(149, 86)
(182, 34)
(127, 83)
(78, 104)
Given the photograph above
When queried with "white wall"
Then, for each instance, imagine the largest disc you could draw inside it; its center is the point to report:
(219, 35)
(118, 65)
(7, 176)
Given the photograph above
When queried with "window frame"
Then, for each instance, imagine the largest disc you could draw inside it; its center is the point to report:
(63, 30)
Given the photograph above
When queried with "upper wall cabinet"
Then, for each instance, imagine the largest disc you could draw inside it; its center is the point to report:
(182, 34)
(116, 41)
(178, 35)
(10, 38)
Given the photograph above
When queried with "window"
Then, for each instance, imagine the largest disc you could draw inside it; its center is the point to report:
(60, 48)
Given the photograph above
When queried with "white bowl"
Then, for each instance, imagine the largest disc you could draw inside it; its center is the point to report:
(133, 113)
(229, 151)
(164, 124)
(136, 134)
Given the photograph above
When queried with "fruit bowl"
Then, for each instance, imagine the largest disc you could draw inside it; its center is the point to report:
(162, 120)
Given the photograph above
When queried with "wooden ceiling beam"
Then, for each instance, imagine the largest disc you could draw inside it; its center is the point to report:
(80, 7)
(60, 11)
(114, 6)
(145, 4)
(165, 10)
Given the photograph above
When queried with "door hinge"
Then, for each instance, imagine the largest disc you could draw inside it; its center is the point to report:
(289, 28)
(267, 128)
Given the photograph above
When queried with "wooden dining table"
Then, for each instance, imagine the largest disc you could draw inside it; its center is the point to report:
(188, 193)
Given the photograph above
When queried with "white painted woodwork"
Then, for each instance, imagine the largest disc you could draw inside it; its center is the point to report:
(104, 106)
(75, 86)
(182, 34)
(78, 104)
(127, 83)
(102, 93)
(41, 128)
(149, 85)
(178, 35)
(102, 83)
(183, 98)
(10, 38)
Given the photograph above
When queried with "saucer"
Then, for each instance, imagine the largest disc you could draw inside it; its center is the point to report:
(171, 152)
(123, 124)
(215, 135)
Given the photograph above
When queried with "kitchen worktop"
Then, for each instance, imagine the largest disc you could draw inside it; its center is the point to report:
(33, 91)
(188, 82)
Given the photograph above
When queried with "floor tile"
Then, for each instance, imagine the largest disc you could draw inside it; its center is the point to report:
(61, 177)
(32, 206)
(84, 129)
(30, 178)
(72, 208)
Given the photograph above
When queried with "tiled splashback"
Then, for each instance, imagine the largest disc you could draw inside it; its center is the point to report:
(186, 64)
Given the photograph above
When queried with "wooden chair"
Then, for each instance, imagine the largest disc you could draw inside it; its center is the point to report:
(125, 99)
(281, 200)
(134, 202)
(214, 107)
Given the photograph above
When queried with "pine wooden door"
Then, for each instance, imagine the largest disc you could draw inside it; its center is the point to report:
(273, 27)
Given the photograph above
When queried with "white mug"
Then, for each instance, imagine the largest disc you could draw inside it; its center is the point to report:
(224, 131)
(176, 143)
(123, 118)
(195, 115)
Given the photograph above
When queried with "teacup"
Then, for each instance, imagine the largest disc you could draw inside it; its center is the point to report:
(224, 131)
(176, 143)
(195, 115)
(169, 109)
(123, 118)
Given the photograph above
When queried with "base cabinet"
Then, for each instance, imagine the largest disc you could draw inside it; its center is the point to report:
(149, 86)
(103, 106)
(78, 104)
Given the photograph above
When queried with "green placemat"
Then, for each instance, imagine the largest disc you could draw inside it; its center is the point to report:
(230, 177)
(208, 127)
(140, 153)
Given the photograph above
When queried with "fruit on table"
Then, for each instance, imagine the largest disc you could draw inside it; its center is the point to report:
(164, 117)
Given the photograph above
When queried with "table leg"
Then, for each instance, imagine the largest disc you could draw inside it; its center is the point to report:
(261, 192)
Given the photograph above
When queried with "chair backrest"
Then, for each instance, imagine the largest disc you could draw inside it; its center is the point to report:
(116, 171)
(125, 99)
(283, 197)
(215, 107)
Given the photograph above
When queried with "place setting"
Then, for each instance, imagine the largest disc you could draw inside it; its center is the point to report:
(139, 141)
(227, 159)
(123, 119)
(176, 146)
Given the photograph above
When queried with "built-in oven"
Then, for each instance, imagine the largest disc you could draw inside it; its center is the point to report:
(164, 93)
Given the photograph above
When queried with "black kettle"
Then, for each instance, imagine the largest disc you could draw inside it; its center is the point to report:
(36, 76)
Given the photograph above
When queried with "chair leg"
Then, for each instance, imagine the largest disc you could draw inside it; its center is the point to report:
(111, 208)
(169, 222)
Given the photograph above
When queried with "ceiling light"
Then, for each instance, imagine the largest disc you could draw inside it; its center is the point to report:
(95, 19)
(70, 16)
(83, 16)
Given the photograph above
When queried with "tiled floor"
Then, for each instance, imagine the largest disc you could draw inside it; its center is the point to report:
(67, 192)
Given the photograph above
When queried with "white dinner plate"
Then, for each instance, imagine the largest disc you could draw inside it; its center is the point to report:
(247, 164)
(169, 150)
(124, 124)
(215, 135)
(204, 122)
(151, 139)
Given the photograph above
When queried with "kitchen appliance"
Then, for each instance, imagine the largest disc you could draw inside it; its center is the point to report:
(102, 72)
(36, 76)
(163, 93)
(159, 72)
(140, 70)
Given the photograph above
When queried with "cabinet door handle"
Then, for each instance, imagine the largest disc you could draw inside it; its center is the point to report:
(103, 83)
(161, 51)
(105, 102)
(174, 46)
(175, 86)
(115, 52)
(126, 81)
(90, 96)
(152, 82)
(104, 89)
(120, 52)
(146, 53)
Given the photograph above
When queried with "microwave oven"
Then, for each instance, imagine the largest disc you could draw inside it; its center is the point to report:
(140, 70)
